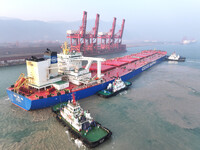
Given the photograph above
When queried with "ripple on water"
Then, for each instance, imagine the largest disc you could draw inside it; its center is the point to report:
(160, 111)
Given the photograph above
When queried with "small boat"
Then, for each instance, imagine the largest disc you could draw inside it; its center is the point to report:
(81, 124)
(174, 57)
(114, 88)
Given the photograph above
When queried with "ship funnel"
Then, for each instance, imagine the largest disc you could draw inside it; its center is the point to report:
(51, 55)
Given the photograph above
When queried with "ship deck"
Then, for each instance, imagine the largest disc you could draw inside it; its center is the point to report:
(110, 69)
(95, 134)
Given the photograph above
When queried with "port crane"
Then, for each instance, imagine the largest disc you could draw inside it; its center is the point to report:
(77, 38)
(87, 42)
(119, 34)
(91, 37)
(107, 39)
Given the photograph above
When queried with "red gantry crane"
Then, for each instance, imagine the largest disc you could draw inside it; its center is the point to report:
(118, 36)
(107, 39)
(87, 43)
(77, 38)
(91, 38)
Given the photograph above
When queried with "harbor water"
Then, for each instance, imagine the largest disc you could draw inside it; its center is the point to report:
(160, 111)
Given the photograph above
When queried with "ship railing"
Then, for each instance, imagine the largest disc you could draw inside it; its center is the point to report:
(84, 86)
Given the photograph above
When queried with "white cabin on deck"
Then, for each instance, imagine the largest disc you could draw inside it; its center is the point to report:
(48, 71)
(118, 84)
(173, 56)
(72, 66)
(40, 74)
(75, 115)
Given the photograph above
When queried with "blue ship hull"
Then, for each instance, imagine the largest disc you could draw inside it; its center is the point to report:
(28, 104)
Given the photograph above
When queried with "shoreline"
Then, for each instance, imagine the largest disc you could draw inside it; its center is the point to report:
(19, 59)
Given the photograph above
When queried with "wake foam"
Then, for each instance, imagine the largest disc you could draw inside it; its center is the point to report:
(193, 61)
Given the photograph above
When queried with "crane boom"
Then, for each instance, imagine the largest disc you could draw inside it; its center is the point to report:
(112, 31)
(84, 23)
(95, 29)
(122, 28)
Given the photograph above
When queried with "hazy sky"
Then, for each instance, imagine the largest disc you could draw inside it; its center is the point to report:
(182, 15)
(70, 10)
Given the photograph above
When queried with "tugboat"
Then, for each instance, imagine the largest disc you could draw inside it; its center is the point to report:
(174, 57)
(114, 88)
(81, 124)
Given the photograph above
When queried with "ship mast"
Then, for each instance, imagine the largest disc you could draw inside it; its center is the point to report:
(74, 100)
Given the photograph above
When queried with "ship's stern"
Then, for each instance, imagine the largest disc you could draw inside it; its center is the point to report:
(19, 100)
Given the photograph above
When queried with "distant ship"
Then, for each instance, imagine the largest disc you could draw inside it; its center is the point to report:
(186, 41)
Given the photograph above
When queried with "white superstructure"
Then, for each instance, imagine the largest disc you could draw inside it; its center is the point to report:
(173, 56)
(40, 74)
(117, 85)
(75, 116)
(48, 71)
(72, 66)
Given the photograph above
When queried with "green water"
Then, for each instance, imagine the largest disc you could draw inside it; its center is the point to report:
(160, 111)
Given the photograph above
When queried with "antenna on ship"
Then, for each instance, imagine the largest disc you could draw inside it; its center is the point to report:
(65, 48)
(74, 100)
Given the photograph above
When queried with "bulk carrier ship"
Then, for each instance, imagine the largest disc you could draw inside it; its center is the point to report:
(52, 79)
